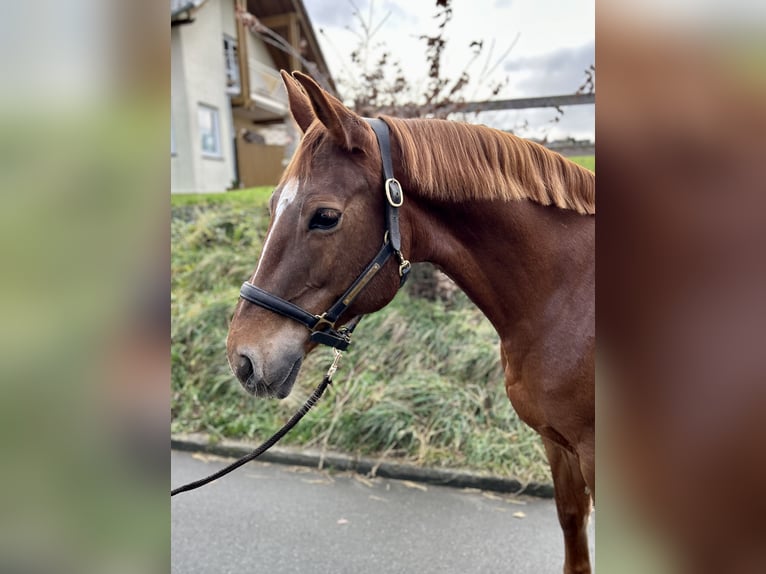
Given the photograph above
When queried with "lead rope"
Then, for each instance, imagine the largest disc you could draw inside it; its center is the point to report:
(310, 402)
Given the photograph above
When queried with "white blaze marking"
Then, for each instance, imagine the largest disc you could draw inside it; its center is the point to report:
(289, 191)
(286, 197)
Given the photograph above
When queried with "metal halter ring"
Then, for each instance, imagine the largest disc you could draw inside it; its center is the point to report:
(322, 323)
(404, 267)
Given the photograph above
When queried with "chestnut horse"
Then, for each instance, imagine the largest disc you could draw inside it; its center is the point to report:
(511, 222)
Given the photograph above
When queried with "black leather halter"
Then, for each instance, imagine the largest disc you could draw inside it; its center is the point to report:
(322, 327)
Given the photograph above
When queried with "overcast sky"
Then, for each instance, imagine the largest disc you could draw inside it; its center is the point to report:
(554, 44)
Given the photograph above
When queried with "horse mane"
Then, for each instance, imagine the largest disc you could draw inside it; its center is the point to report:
(460, 162)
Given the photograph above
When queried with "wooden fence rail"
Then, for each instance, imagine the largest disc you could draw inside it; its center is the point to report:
(523, 103)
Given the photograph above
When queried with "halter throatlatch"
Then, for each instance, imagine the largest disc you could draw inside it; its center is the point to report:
(322, 327)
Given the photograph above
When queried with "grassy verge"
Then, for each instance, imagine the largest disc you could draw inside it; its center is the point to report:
(421, 383)
(250, 197)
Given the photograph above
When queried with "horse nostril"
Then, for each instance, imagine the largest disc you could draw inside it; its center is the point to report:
(244, 368)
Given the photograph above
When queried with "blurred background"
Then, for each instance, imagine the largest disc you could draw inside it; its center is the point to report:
(84, 116)
(680, 286)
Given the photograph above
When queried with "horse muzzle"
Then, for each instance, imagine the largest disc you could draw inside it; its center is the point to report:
(274, 380)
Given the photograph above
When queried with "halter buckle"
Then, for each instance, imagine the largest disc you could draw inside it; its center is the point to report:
(395, 197)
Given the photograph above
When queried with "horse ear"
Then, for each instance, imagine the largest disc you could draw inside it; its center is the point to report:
(300, 106)
(347, 129)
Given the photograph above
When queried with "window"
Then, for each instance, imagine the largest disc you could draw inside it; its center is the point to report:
(209, 131)
(231, 61)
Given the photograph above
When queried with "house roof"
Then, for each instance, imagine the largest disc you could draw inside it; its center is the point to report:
(310, 50)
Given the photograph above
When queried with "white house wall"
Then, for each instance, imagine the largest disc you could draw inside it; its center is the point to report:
(228, 18)
(181, 159)
(199, 77)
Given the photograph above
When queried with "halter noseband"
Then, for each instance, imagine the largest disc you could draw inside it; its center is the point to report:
(322, 326)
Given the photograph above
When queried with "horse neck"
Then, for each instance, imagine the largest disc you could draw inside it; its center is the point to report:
(513, 259)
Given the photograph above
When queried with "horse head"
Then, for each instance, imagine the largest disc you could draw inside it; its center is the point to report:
(327, 224)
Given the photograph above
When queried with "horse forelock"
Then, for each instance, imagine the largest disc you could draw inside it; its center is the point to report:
(455, 161)
(300, 164)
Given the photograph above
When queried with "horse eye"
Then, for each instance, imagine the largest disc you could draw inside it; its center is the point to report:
(324, 218)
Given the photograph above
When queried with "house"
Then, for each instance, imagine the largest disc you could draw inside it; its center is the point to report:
(230, 125)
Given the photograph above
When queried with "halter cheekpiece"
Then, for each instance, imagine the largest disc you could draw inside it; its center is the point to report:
(322, 327)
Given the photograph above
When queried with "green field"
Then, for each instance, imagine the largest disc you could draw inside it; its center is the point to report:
(588, 161)
(251, 197)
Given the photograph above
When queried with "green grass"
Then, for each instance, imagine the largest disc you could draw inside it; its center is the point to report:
(421, 383)
(587, 161)
(253, 196)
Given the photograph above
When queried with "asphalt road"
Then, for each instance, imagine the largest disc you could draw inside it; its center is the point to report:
(279, 519)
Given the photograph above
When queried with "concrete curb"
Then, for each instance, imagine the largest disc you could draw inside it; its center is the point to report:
(361, 465)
